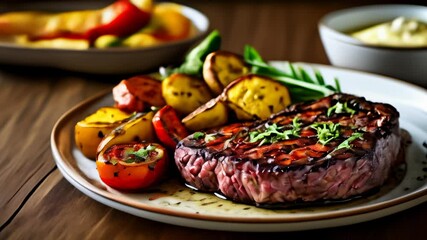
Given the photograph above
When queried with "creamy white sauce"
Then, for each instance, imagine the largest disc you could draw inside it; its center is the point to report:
(401, 32)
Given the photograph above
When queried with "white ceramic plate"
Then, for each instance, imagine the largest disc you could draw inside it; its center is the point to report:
(174, 203)
(99, 61)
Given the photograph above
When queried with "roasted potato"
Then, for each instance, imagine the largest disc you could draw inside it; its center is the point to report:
(221, 68)
(138, 94)
(89, 132)
(240, 114)
(211, 114)
(256, 95)
(185, 93)
(136, 129)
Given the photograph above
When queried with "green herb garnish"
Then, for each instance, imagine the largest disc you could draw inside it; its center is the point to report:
(140, 155)
(326, 132)
(340, 108)
(207, 137)
(274, 133)
(193, 62)
(301, 86)
(198, 135)
(346, 143)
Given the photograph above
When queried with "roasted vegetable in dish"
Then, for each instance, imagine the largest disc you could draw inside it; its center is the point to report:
(138, 94)
(124, 23)
(136, 129)
(89, 132)
(167, 24)
(168, 127)
(121, 18)
(211, 114)
(301, 86)
(185, 93)
(193, 61)
(210, 89)
(133, 166)
(257, 95)
(220, 68)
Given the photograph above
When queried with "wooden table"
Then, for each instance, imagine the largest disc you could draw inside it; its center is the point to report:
(36, 202)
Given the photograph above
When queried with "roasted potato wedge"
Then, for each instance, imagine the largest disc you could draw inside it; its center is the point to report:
(136, 129)
(211, 114)
(185, 93)
(89, 132)
(220, 68)
(241, 114)
(257, 95)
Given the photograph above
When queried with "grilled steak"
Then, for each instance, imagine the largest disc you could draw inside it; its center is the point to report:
(335, 148)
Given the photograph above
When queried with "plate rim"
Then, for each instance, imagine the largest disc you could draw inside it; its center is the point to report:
(419, 194)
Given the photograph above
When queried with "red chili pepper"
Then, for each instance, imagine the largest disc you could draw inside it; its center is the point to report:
(168, 127)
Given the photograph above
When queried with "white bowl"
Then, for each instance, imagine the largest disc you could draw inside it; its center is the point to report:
(409, 64)
(102, 61)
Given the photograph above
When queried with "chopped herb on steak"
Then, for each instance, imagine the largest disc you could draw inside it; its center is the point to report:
(328, 155)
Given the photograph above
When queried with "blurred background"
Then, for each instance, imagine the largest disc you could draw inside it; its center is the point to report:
(261, 12)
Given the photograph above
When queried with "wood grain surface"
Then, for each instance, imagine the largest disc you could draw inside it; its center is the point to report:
(36, 202)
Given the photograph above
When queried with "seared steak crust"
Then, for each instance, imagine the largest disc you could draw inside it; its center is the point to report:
(298, 169)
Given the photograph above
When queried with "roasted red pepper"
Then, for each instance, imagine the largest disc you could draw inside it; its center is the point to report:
(138, 94)
(126, 19)
(168, 127)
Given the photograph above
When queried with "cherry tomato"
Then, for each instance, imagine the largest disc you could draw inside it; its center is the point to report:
(168, 127)
(132, 166)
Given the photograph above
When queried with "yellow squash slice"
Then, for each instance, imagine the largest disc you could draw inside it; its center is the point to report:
(89, 132)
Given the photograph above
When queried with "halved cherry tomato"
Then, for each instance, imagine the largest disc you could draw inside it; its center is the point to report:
(168, 127)
(132, 167)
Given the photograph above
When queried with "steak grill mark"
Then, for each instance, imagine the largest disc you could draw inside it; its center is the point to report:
(299, 168)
